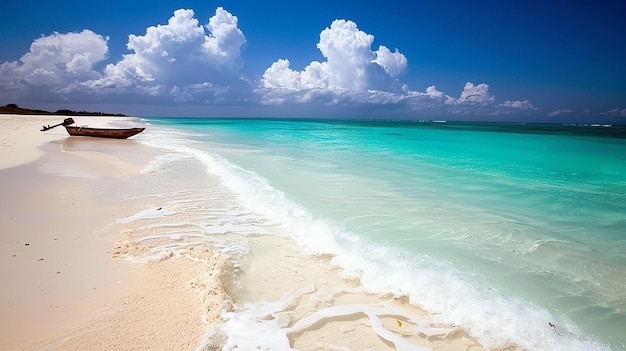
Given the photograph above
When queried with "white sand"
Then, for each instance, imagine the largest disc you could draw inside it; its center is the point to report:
(20, 138)
(63, 290)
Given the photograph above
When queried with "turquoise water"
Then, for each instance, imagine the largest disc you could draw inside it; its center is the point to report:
(499, 227)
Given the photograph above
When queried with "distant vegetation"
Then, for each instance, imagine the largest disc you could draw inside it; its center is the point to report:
(14, 109)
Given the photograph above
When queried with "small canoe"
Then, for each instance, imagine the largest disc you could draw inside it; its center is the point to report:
(103, 132)
(116, 133)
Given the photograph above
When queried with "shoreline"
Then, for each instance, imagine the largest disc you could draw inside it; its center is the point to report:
(66, 290)
(97, 210)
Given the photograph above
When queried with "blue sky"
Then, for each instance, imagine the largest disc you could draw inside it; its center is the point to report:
(554, 61)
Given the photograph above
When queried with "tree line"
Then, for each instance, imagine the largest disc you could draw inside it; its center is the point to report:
(15, 109)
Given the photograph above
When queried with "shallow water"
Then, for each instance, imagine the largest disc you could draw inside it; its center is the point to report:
(499, 228)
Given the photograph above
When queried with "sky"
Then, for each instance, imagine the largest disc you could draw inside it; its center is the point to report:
(536, 61)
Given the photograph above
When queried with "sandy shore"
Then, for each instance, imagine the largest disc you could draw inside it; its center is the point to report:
(65, 244)
(63, 288)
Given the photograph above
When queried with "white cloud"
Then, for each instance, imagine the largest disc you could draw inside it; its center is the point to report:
(170, 57)
(226, 41)
(347, 51)
(432, 99)
(522, 105)
(351, 70)
(476, 94)
(315, 76)
(394, 63)
(353, 74)
(437, 95)
(186, 62)
(181, 60)
(55, 62)
(280, 76)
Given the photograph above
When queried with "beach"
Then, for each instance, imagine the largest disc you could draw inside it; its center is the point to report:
(222, 234)
(64, 290)
(78, 276)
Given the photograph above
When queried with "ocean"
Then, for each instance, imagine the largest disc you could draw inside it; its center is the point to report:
(515, 233)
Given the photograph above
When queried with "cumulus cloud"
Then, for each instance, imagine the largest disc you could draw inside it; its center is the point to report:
(476, 94)
(435, 94)
(522, 105)
(184, 61)
(178, 61)
(354, 74)
(55, 62)
(432, 98)
(351, 69)
(179, 58)
(394, 63)
(280, 76)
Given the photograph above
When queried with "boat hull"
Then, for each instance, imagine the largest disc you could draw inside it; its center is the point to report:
(103, 132)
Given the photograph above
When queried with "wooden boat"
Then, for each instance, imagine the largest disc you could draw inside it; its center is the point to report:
(116, 133)
(103, 132)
